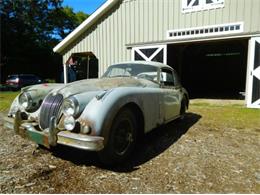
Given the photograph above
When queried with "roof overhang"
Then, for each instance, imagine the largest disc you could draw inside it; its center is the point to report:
(78, 55)
(84, 25)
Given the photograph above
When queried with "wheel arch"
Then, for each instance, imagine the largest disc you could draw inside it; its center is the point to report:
(187, 100)
(135, 108)
(138, 114)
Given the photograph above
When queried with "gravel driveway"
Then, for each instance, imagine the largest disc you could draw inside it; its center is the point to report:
(201, 154)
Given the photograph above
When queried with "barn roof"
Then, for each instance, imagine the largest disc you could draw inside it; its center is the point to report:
(84, 25)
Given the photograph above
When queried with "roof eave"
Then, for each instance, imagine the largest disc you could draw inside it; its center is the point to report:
(84, 26)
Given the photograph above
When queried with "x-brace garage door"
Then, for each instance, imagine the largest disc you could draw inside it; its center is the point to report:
(155, 53)
(253, 100)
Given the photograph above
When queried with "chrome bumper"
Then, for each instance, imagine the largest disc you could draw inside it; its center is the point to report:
(51, 136)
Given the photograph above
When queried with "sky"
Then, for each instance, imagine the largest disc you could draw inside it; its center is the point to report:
(87, 6)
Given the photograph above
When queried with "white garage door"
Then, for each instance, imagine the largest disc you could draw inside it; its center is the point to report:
(253, 100)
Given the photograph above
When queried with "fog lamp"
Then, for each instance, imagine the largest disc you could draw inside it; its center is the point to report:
(85, 129)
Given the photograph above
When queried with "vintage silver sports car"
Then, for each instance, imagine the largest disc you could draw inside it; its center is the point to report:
(106, 115)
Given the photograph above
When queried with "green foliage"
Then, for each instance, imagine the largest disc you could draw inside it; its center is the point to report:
(29, 31)
(49, 80)
(6, 99)
(81, 16)
(70, 20)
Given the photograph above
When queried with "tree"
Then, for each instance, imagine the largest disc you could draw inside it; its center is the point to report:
(70, 21)
(29, 31)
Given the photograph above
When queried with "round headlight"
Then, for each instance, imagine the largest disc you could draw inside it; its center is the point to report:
(25, 100)
(69, 123)
(70, 107)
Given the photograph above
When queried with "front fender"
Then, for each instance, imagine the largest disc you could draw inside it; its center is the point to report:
(100, 113)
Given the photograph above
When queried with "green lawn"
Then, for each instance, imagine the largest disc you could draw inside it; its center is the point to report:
(6, 99)
(231, 115)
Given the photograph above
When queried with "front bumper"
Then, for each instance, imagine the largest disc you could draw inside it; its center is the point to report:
(51, 136)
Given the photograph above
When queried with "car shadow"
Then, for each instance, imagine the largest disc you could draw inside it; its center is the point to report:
(151, 145)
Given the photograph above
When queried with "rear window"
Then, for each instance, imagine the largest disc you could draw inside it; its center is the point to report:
(12, 77)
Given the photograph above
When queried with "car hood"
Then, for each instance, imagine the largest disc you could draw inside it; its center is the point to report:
(102, 84)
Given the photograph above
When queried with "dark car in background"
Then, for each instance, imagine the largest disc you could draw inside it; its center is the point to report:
(17, 81)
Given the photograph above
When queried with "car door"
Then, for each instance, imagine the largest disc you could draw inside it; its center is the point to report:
(171, 94)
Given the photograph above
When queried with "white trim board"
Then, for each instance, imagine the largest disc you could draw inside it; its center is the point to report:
(251, 73)
(84, 26)
(179, 41)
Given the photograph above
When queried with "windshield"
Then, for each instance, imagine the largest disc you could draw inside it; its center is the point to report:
(135, 70)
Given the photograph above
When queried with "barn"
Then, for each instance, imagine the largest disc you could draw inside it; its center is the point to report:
(214, 45)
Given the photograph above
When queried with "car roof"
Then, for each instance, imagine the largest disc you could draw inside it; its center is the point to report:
(152, 63)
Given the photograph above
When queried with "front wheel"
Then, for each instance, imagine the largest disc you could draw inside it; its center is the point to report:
(121, 139)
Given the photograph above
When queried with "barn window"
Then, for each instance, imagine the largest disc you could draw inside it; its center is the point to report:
(150, 53)
(205, 31)
(198, 5)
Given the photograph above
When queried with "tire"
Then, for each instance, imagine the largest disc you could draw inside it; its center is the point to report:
(121, 139)
(183, 108)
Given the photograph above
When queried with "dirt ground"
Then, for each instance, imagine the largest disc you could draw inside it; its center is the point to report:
(202, 154)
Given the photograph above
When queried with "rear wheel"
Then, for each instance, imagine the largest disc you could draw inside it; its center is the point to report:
(183, 108)
(122, 138)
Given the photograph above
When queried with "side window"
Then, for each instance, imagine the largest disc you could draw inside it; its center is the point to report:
(166, 77)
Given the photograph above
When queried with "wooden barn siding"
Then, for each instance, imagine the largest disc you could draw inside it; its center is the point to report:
(140, 21)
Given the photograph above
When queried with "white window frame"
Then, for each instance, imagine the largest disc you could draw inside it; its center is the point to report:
(204, 28)
(149, 59)
(202, 5)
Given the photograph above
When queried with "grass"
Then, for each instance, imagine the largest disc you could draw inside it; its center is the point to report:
(6, 99)
(227, 115)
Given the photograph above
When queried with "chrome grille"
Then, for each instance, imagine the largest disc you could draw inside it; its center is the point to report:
(50, 107)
